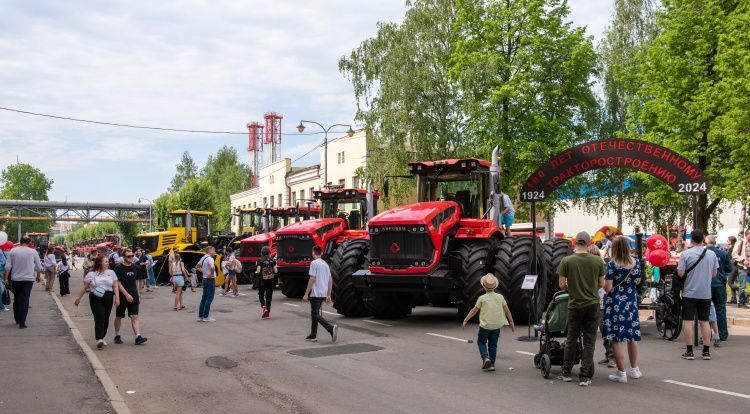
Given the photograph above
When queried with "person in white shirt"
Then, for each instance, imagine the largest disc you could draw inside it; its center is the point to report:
(207, 267)
(50, 269)
(24, 263)
(102, 283)
(319, 288)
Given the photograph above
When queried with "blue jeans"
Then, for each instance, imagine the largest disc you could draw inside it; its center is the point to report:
(2, 289)
(719, 298)
(209, 287)
(741, 283)
(487, 340)
(151, 276)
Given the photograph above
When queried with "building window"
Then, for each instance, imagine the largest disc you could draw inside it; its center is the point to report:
(271, 178)
(279, 200)
(265, 201)
(302, 195)
(255, 205)
(342, 182)
(355, 182)
(312, 192)
(343, 160)
(294, 198)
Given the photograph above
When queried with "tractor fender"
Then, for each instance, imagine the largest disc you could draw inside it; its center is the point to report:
(474, 233)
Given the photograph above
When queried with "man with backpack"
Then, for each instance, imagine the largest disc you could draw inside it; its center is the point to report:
(268, 270)
(206, 266)
(698, 266)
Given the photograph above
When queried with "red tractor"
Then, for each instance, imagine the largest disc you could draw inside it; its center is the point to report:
(273, 219)
(438, 248)
(109, 241)
(344, 216)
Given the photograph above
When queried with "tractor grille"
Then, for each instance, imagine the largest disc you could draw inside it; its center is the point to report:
(147, 243)
(251, 249)
(292, 248)
(169, 239)
(400, 248)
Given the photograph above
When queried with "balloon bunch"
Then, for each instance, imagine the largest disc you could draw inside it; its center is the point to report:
(658, 253)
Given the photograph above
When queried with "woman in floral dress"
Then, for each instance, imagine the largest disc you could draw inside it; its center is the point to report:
(621, 321)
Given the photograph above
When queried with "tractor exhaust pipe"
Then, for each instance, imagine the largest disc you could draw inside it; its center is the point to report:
(189, 226)
(370, 200)
(495, 186)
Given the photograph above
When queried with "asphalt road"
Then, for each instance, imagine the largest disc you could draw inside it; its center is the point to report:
(42, 368)
(418, 364)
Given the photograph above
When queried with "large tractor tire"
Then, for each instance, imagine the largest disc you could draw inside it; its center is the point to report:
(554, 251)
(347, 259)
(247, 276)
(387, 305)
(294, 288)
(472, 261)
(514, 262)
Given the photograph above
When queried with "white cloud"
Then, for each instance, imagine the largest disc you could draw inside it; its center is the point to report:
(185, 64)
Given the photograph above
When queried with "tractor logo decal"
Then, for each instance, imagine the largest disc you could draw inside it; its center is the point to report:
(395, 248)
(291, 248)
(250, 249)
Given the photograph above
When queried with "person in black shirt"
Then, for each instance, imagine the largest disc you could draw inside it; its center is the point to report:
(267, 269)
(128, 274)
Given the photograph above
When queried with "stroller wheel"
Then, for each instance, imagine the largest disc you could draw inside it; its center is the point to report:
(545, 365)
(537, 360)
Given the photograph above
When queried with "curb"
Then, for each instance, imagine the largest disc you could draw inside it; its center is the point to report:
(113, 394)
(731, 320)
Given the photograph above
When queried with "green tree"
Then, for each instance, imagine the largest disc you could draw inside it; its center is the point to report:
(163, 205)
(186, 170)
(525, 72)
(695, 95)
(24, 182)
(225, 175)
(404, 95)
(196, 194)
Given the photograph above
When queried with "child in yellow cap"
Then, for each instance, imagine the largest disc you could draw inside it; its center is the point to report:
(493, 315)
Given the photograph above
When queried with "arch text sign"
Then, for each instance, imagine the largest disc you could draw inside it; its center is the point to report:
(672, 168)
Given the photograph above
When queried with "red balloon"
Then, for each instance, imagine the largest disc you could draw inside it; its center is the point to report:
(658, 258)
(657, 242)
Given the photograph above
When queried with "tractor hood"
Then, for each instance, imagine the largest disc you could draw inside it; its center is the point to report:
(431, 212)
(259, 238)
(309, 226)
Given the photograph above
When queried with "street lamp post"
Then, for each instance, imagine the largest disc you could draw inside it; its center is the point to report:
(150, 214)
(301, 129)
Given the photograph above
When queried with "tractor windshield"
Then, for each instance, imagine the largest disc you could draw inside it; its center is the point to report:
(352, 210)
(177, 220)
(250, 219)
(470, 191)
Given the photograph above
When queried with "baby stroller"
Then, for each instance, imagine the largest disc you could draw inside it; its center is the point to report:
(554, 325)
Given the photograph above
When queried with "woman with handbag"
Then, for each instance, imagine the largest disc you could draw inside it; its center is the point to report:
(621, 319)
(102, 283)
(178, 271)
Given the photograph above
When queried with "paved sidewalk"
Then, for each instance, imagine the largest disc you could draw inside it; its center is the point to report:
(42, 368)
(738, 316)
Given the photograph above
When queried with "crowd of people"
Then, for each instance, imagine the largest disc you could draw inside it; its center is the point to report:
(602, 285)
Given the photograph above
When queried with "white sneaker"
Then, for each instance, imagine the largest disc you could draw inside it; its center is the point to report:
(99, 344)
(634, 373)
(200, 319)
(104, 342)
(209, 320)
(618, 376)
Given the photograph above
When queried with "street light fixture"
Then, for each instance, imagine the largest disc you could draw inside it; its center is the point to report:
(150, 213)
(349, 133)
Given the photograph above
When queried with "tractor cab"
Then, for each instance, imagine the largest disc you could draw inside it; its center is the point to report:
(279, 217)
(185, 227)
(38, 240)
(465, 181)
(351, 205)
(251, 221)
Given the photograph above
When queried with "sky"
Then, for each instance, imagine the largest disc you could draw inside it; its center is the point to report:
(187, 64)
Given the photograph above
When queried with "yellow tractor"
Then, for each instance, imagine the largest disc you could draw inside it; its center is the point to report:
(187, 234)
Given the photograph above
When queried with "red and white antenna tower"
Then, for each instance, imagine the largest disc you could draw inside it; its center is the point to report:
(254, 146)
(273, 134)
